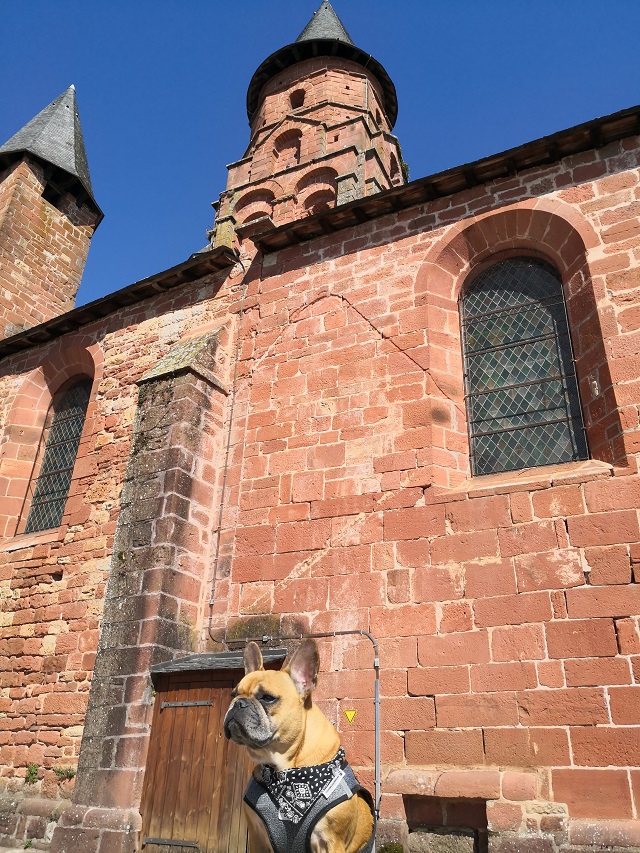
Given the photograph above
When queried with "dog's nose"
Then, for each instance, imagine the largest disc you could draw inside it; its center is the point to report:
(241, 703)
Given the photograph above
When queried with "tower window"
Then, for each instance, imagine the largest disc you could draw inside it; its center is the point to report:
(254, 204)
(52, 195)
(287, 149)
(320, 201)
(297, 99)
(521, 391)
(61, 437)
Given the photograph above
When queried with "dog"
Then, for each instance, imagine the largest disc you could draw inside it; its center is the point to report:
(301, 771)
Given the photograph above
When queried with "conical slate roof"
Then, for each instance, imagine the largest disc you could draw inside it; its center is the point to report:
(55, 137)
(325, 24)
(324, 35)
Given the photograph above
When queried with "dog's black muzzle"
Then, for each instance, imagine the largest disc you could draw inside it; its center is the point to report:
(245, 723)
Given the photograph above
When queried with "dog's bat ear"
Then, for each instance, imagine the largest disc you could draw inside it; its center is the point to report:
(303, 667)
(252, 658)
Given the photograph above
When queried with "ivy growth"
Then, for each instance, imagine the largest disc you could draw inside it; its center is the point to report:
(404, 166)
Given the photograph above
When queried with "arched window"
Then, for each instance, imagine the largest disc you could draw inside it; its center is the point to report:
(254, 204)
(58, 449)
(287, 149)
(319, 202)
(521, 391)
(296, 99)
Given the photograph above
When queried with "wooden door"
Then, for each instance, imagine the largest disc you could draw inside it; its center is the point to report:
(195, 778)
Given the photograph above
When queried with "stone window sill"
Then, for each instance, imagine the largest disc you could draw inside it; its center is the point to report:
(527, 480)
(29, 540)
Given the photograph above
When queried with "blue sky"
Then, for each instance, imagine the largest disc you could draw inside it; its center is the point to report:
(161, 88)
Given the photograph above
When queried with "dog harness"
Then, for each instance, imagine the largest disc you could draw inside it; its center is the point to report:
(291, 802)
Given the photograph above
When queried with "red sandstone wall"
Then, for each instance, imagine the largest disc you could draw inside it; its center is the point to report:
(42, 250)
(52, 583)
(506, 607)
(324, 79)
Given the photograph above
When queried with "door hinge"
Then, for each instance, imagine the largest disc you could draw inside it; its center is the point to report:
(170, 842)
(186, 704)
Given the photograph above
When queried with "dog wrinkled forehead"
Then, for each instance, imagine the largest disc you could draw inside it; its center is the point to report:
(300, 668)
(268, 681)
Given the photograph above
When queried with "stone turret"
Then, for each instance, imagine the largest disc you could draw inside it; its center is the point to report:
(321, 112)
(47, 216)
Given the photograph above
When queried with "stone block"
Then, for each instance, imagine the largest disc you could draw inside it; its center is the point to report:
(66, 839)
(36, 827)
(610, 834)
(517, 843)
(41, 807)
(441, 841)
(390, 832)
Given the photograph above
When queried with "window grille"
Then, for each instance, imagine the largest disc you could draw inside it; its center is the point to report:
(521, 391)
(61, 447)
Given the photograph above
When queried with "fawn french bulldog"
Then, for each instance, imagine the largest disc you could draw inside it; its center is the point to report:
(303, 796)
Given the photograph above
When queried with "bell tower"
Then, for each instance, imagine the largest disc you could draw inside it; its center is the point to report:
(321, 112)
(47, 217)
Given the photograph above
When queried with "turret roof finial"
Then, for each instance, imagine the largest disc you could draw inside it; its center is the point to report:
(325, 24)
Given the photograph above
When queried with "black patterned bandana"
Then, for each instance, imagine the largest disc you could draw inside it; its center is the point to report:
(295, 791)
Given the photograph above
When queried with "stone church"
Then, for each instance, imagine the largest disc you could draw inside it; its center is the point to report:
(402, 417)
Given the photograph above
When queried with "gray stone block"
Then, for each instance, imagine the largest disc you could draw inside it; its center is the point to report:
(441, 841)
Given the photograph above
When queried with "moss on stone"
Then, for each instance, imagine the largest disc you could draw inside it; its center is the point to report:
(253, 626)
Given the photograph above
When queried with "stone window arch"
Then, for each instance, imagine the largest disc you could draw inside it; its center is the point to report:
(254, 204)
(317, 190)
(552, 231)
(49, 485)
(27, 425)
(319, 202)
(286, 150)
(521, 390)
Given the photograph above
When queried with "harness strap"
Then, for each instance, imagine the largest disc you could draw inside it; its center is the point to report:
(288, 837)
(257, 798)
(366, 796)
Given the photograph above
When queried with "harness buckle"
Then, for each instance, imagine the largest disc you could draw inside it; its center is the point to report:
(338, 778)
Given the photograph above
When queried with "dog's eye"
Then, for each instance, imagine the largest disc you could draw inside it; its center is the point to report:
(268, 698)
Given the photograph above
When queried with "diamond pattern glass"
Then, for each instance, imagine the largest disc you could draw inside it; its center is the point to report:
(52, 485)
(508, 327)
(521, 390)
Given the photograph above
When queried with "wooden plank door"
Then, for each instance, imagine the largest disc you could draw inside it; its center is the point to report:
(195, 778)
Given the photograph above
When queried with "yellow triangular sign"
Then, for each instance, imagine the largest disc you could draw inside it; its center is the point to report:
(350, 715)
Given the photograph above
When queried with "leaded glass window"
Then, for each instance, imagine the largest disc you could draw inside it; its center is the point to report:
(66, 420)
(521, 390)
